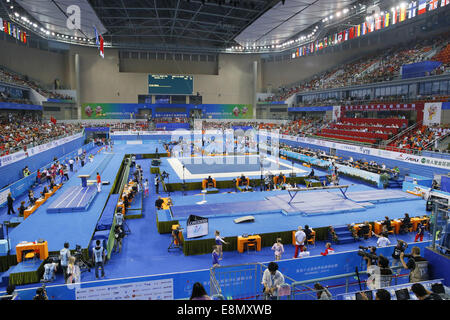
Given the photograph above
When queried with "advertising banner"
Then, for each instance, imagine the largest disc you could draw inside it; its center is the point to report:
(109, 110)
(432, 113)
(336, 113)
(227, 111)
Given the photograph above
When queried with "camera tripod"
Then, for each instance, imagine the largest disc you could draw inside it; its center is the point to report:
(175, 243)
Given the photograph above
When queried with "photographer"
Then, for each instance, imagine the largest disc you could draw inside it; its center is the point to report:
(41, 293)
(417, 265)
(398, 249)
(272, 280)
(49, 270)
(11, 293)
(118, 236)
(64, 255)
(380, 276)
(372, 255)
(159, 203)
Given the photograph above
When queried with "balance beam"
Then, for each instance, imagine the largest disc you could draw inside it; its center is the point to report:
(294, 191)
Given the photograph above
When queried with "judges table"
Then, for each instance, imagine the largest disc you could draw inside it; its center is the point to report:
(39, 248)
(395, 224)
(241, 241)
(415, 221)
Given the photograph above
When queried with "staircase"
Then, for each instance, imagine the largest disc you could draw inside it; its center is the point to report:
(344, 235)
(395, 183)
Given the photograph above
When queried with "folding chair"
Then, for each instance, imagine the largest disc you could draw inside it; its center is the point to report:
(251, 243)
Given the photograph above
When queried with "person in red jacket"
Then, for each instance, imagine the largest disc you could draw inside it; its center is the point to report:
(328, 249)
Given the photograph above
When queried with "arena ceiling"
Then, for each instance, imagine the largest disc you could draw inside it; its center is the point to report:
(180, 24)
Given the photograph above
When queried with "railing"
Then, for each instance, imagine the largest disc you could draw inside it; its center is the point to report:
(402, 133)
(301, 288)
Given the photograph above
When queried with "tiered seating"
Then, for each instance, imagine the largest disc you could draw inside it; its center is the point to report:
(365, 130)
(418, 139)
(21, 132)
(443, 55)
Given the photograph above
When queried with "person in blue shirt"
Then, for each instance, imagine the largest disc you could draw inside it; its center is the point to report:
(420, 231)
(98, 255)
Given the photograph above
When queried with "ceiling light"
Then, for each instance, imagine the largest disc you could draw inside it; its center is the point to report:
(338, 14)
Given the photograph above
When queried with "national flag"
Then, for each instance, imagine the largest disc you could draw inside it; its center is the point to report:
(394, 16)
(371, 25)
(378, 23)
(297, 53)
(330, 40)
(433, 5)
(412, 8)
(351, 33)
(102, 52)
(346, 35)
(24, 37)
(358, 32)
(402, 15)
(5, 26)
(304, 50)
(97, 40)
(1, 24)
(364, 28)
(422, 6)
(325, 42)
(386, 20)
(340, 37)
(444, 3)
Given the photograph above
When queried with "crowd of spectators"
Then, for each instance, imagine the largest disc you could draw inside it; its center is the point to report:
(20, 131)
(422, 138)
(8, 76)
(380, 66)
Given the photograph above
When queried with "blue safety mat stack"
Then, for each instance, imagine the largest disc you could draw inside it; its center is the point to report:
(106, 219)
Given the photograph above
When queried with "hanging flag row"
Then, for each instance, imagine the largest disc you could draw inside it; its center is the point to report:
(396, 15)
(13, 30)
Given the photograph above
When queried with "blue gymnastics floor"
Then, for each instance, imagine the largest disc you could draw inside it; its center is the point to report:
(144, 251)
(269, 219)
(75, 198)
(72, 227)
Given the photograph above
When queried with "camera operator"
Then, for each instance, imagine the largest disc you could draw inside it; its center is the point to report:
(417, 265)
(119, 218)
(119, 234)
(41, 293)
(399, 248)
(372, 255)
(159, 203)
(380, 276)
(49, 270)
(11, 293)
(64, 255)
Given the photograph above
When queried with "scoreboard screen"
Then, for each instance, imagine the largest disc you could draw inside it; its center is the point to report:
(170, 84)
